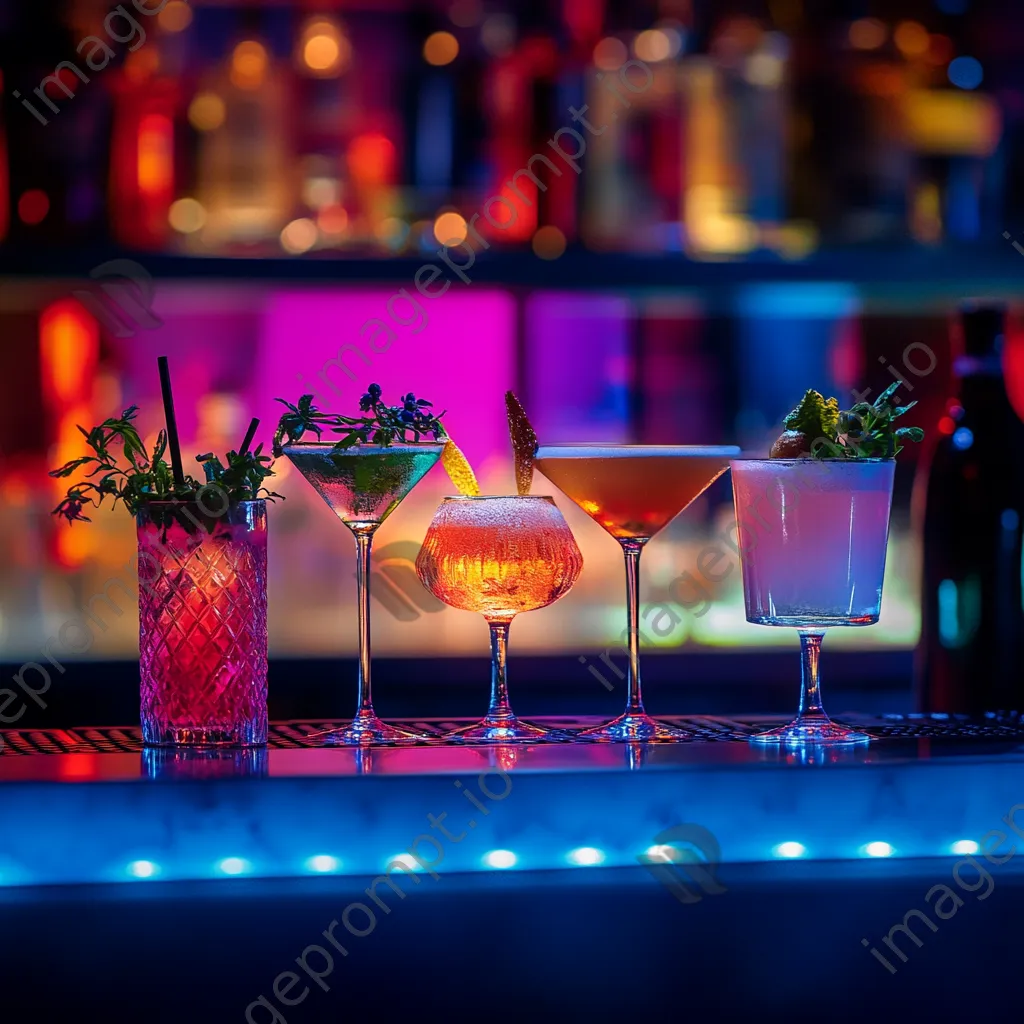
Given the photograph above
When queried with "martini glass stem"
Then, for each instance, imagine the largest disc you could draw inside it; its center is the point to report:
(364, 542)
(810, 683)
(500, 710)
(632, 550)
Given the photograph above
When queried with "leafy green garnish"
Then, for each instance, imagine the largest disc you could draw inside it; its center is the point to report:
(815, 416)
(243, 476)
(383, 424)
(148, 477)
(867, 431)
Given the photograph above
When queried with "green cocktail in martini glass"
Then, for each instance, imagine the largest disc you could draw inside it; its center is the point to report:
(363, 476)
(364, 484)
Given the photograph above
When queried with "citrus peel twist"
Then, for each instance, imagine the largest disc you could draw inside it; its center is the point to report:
(459, 471)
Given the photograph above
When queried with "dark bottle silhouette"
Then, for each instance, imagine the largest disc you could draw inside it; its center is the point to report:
(969, 507)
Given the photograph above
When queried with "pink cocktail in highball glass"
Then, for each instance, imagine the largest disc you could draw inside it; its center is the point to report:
(203, 624)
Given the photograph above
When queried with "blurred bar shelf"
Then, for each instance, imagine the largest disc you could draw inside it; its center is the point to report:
(927, 789)
(937, 271)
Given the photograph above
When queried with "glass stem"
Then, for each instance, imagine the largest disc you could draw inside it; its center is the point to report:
(500, 710)
(810, 684)
(364, 541)
(632, 550)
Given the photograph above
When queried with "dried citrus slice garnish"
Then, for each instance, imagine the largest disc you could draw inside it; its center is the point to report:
(459, 470)
(524, 442)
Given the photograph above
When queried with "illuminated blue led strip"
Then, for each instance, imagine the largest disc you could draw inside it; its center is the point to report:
(295, 827)
(234, 866)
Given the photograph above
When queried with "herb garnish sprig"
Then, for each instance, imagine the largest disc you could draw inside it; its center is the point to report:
(148, 477)
(869, 431)
(817, 429)
(382, 425)
(242, 478)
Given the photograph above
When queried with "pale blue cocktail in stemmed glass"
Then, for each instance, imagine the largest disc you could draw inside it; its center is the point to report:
(813, 539)
(813, 532)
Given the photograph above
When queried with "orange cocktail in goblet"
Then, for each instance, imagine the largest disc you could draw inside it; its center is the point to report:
(499, 556)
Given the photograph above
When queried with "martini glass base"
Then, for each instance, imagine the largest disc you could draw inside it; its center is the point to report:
(368, 730)
(507, 730)
(630, 727)
(806, 732)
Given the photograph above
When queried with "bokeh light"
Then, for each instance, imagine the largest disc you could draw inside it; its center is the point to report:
(321, 53)
(175, 17)
(868, 34)
(33, 206)
(652, 45)
(206, 112)
(450, 228)
(299, 236)
(610, 54)
(765, 70)
(371, 158)
(498, 35)
(248, 65)
(186, 215)
(319, 191)
(911, 38)
(332, 220)
(548, 242)
(324, 50)
(440, 48)
(965, 72)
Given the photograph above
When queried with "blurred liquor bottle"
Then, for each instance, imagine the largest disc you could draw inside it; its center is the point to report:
(245, 180)
(142, 151)
(969, 506)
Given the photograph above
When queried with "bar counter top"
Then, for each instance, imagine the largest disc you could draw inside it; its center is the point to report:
(927, 787)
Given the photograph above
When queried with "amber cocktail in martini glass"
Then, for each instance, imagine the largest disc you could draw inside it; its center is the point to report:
(364, 484)
(633, 491)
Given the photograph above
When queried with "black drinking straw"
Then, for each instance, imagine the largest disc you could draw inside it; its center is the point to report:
(249, 435)
(172, 423)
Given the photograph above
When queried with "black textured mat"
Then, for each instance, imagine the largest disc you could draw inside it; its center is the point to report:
(307, 734)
